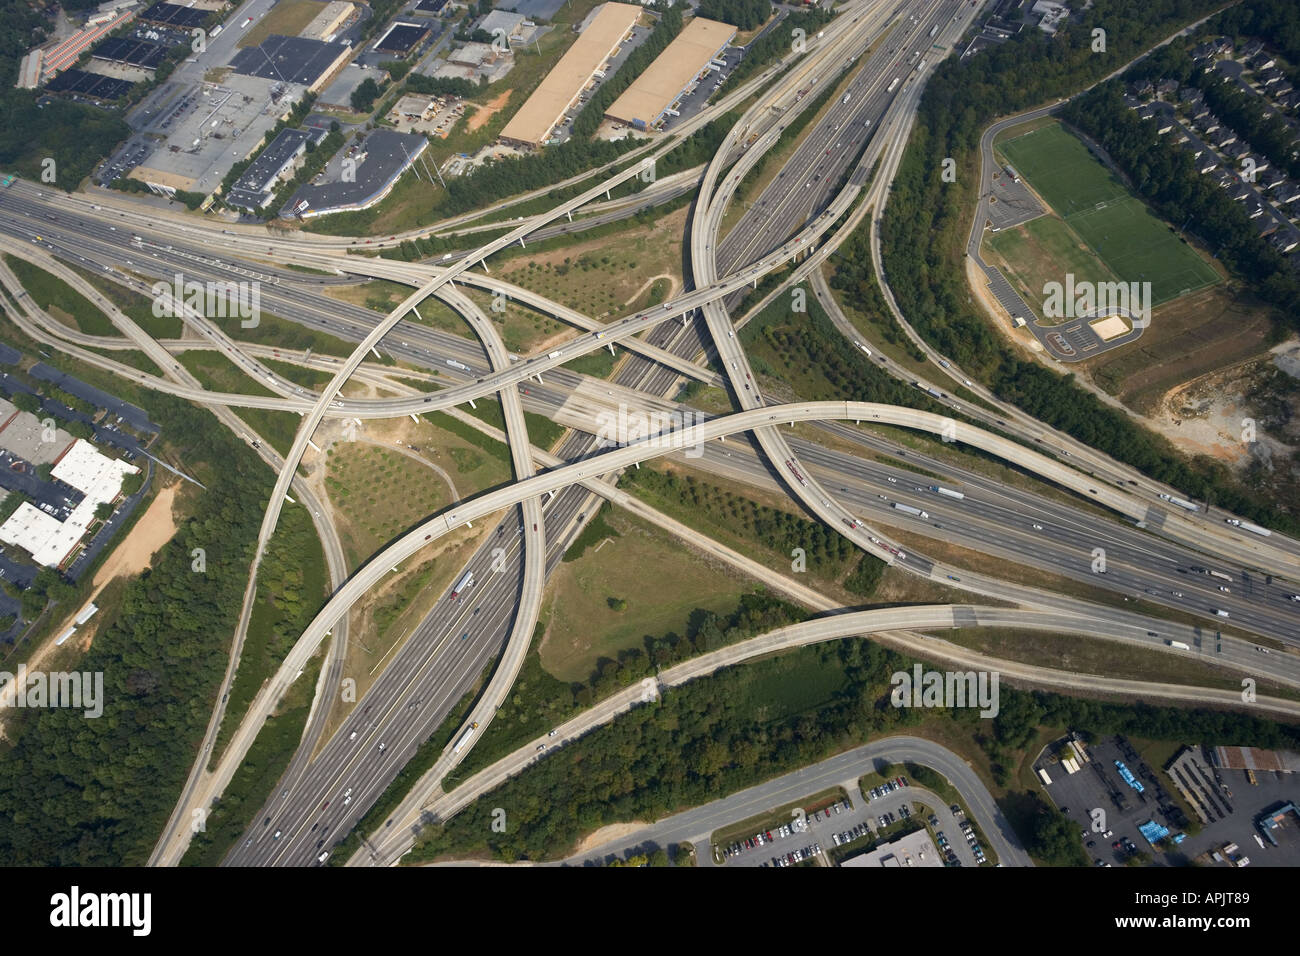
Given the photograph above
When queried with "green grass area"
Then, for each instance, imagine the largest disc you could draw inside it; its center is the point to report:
(138, 307)
(1128, 239)
(598, 604)
(608, 272)
(1061, 170)
(292, 584)
(597, 364)
(59, 299)
(312, 378)
(220, 374)
(379, 493)
(767, 534)
(542, 432)
(280, 333)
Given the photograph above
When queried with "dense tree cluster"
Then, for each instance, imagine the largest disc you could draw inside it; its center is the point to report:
(441, 85)
(741, 14)
(96, 792)
(364, 96)
(710, 738)
(776, 43)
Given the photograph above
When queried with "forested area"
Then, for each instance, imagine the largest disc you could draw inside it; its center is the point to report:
(97, 792)
(927, 222)
(717, 735)
(74, 135)
(741, 14)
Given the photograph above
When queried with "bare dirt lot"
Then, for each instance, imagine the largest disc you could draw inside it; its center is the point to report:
(484, 112)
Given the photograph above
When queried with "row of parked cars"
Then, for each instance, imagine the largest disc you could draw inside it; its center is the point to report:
(796, 856)
(969, 832)
(889, 786)
(854, 833)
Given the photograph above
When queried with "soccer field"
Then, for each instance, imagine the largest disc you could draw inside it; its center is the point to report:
(1134, 244)
(1061, 170)
(1138, 247)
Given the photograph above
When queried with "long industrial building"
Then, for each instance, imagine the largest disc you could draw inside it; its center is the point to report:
(673, 73)
(557, 94)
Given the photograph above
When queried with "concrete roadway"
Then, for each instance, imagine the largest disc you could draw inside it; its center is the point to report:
(336, 563)
(398, 837)
(581, 424)
(1249, 551)
(697, 825)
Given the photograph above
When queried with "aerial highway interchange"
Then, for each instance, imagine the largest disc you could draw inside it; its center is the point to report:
(1074, 500)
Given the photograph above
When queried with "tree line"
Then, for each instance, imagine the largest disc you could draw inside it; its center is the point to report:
(926, 224)
(707, 739)
(84, 792)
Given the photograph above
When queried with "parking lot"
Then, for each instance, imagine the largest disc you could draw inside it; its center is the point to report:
(850, 825)
(1230, 801)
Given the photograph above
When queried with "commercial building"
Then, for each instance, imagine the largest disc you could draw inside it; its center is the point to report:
(50, 541)
(1253, 758)
(402, 38)
(673, 74)
(914, 849)
(575, 71)
(216, 126)
(474, 55)
(380, 161)
(256, 187)
(309, 63)
(511, 25)
(327, 24)
(56, 58)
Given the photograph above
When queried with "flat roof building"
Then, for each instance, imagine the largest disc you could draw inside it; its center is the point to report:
(326, 24)
(672, 74)
(297, 60)
(557, 93)
(49, 540)
(511, 24)
(914, 849)
(382, 158)
(255, 188)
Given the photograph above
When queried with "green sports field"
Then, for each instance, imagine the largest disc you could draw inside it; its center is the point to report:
(1135, 245)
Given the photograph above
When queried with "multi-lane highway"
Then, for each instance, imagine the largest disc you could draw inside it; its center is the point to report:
(322, 798)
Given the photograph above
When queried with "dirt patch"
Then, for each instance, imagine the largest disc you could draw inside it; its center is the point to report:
(486, 111)
(615, 831)
(1213, 415)
(154, 529)
(672, 287)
